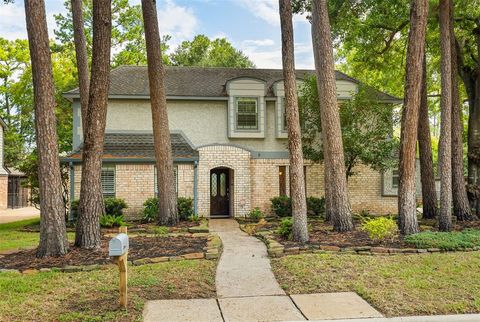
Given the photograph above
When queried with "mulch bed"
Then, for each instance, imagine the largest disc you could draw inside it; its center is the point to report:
(140, 247)
(322, 233)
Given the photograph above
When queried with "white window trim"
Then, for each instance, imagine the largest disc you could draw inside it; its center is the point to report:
(237, 99)
(109, 193)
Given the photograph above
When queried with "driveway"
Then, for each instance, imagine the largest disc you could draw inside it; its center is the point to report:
(11, 215)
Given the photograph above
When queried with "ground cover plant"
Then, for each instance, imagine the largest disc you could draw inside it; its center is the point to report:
(93, 296)
(455, 240)
(396, 285)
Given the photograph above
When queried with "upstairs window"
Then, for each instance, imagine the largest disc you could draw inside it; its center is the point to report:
(247, 113)
(108, 181)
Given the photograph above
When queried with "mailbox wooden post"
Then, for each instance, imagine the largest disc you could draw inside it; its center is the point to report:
(118, 249)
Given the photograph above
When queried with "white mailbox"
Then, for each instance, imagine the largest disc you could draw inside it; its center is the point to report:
(118, 245)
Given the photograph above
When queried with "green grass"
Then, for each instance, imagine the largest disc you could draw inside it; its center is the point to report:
(12, 236)
(454, 240)
(441, 283)
(93, 296)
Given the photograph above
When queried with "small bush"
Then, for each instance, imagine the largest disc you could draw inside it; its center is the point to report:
(74, 210)
(256, 214)
(315, 206)
(110, 221)
(150, 210)
(194, 218)
(281, 206)
(454, 240)
(160, 231)
(115, 206)
(185, 207)
(285, 229)
(380, 228)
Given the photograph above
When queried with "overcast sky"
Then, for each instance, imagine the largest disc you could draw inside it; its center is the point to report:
(251, 25)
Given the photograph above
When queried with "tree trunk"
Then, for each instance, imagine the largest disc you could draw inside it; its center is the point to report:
(336, 195)
(91, 206)
(429, 194)
(81, 57)
(53, 234)
(461, 205)
(445, 144)
(297, 176)
(167, 198)
(407, 219)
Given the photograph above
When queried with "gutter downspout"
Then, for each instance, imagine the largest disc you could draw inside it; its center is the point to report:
(72, 191)
(195, 187)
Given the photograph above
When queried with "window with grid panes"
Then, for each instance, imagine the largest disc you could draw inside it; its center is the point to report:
(247, 113)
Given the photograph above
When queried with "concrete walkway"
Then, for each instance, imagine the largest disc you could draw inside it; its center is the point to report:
(248, 291)
(12, 215)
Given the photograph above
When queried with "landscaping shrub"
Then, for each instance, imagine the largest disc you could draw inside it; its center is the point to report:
(256, 214)
(380, 228)
(150, 210)
(185, 207)
(315, 206)
(109, 221)
(285, 229)
(160, 231)
(455, 240)
(194, 218)
(282, 206)
(114, 206)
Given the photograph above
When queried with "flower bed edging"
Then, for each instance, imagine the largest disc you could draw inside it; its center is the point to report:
(276, 249)
(212, 251)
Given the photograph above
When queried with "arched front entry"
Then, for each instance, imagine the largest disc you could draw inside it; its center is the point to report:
(221, 192)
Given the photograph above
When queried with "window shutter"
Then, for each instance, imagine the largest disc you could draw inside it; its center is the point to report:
(108, 181)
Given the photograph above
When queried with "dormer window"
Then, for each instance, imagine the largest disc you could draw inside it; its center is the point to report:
(247, 113)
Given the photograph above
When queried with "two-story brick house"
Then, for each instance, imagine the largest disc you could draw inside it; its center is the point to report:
(229, 141)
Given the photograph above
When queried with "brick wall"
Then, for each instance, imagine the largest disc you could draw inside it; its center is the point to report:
(134, 182)
(234, 158)
(3, 192)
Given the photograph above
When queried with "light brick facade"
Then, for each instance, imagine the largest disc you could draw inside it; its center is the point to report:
(134, 182)
(3, 191)
(238, 161)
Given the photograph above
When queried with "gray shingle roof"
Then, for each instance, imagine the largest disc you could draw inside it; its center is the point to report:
(133, 145)
(198, 81)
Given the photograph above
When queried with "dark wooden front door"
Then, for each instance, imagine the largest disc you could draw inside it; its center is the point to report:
(219, 193)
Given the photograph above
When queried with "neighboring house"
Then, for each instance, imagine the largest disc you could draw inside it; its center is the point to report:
(3, 169)
(229, 141)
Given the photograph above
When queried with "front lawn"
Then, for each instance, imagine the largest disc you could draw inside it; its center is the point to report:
(14, 236)
(93, 296)
(440, 283)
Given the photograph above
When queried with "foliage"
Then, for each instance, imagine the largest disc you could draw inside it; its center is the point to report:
(367, 126)
(194, 218)
(202, 51)
(150, 210)
(256, 214)
(160, 230)
(315, 206)
(109, 221)
(115, 206)
(185, 207)
(285, 229)
(455, 240)
(281, 206)
(380, 228)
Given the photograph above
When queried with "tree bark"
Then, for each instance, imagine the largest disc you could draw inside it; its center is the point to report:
(53, 234)
(429, 194)
(445, 144)
(91, 206)
(297, 177)
(167, 198)
(461, 205)
(81, 57)
(407, 219)
(336, 190)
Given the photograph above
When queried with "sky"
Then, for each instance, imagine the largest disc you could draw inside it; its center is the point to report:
(252, 26)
